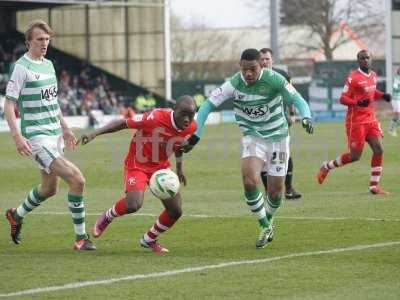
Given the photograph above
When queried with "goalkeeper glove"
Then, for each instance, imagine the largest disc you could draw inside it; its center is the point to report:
(308, 125)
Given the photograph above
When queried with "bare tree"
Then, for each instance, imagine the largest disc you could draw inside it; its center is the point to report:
(197, 51)
(326, 24)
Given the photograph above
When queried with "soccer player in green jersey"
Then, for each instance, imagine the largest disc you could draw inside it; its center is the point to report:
(33, 87)
(394, 123)
(267, 62)
(258, 97)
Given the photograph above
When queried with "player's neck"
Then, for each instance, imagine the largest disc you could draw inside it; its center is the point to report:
(365, 69)
(32, 56)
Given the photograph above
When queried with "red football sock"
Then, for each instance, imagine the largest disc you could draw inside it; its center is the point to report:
(119, 208)
(339, 161)
(376, 169)
(163, 223)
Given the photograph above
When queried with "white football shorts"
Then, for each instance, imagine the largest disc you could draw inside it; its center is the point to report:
(45, 149)
(274, 154)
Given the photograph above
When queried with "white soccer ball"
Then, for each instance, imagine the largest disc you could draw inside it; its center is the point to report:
(164, 184)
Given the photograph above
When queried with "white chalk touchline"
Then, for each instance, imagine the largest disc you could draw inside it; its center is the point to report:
(231, 216)
(76, 285)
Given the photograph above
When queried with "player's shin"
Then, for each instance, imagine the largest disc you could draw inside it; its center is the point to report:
(255, 201)
(32, 200)
(77, 208)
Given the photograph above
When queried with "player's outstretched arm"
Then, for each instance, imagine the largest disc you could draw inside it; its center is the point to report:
(113, 126)
(202, 115)
(290, 93)
(179, 166)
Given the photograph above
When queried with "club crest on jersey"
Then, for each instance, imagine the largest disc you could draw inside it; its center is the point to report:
(238, 96)
(262, 89)
(131, 180)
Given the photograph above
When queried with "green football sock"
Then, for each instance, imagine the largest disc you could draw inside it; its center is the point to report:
(32, 200)
(255, 201)
(77, 208)
(272, 205)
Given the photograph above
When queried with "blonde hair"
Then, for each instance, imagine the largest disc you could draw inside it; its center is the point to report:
(37, 24)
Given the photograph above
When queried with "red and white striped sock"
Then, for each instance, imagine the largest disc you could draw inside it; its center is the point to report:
(118, 209)
(339, 161)
(163, 223)
(376, 170)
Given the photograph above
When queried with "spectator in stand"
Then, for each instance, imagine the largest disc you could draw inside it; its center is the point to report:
(78, 93)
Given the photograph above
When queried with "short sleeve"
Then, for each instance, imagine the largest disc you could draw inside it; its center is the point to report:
(16, 82)
(221, 94)
(348, 86)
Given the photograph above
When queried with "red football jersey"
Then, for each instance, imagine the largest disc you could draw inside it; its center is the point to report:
(360, 85)
(156, 138)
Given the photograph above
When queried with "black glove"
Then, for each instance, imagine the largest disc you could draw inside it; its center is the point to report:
(308, 125)
(189, 144)
(363, 102)
(387, 97)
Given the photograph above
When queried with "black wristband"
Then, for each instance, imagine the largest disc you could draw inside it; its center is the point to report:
(193, 140)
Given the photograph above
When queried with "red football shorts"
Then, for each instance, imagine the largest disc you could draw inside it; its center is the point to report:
(136, 180)
(357, 134)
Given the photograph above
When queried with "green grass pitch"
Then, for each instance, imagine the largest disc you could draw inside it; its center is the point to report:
(337, 242)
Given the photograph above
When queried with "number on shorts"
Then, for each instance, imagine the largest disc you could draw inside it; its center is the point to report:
(278, 158)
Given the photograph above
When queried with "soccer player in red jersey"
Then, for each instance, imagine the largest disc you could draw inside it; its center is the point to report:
(160, 133)
(358, 94)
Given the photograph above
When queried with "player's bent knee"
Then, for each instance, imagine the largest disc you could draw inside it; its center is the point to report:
(78, 182)
(49, 192)
(175, 213)
(274, 194)
(250, 184)
(355, 157)
(378, 151)
(132, 206)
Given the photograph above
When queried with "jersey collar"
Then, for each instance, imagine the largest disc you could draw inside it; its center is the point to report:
(38, 62)
(173, 122)
(259, 77)
(362, 72)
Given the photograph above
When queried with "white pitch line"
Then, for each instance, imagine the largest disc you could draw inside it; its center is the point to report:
(233, 216)
(76, 285)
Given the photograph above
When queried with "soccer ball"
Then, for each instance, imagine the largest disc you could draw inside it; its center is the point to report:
(164, 184)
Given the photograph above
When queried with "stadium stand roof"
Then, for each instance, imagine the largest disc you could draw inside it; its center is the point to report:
(34, 4)
(28, 5)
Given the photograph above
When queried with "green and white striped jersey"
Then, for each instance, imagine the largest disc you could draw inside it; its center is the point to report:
(259, 108)
(33, 85)
(396, 88)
